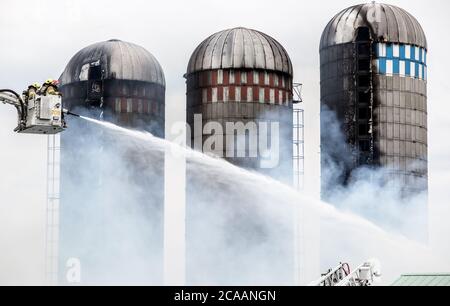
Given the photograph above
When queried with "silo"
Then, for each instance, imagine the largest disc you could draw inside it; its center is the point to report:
(373, 64)
(239, 77)
(111, 194)
(244, 76)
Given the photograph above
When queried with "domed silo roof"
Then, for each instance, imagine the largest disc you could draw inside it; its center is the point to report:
(240, 48)
(387, 23)
(120, 60)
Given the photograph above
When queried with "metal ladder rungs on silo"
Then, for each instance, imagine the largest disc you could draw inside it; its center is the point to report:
(298, 138)
(298, 163)
(52, 213)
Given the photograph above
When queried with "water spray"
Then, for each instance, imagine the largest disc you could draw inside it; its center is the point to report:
(65, 111)
(355, 237)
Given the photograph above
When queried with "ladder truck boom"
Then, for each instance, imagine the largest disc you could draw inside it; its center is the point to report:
(343, 276)
(39, 114)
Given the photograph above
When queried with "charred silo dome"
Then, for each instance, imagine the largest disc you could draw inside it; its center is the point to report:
(118, 59)
(122, 79)
(240, 48)
(387, 23)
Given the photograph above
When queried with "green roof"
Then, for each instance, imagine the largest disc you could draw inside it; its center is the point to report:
(419, 280)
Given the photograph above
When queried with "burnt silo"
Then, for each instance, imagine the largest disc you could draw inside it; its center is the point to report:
(122, 81)
(242, 76)
(111, 194)
(373, 64)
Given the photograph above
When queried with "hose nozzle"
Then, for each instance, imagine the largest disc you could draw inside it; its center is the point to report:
(65, 111)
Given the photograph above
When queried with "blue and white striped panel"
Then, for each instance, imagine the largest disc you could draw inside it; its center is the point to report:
(401, 59)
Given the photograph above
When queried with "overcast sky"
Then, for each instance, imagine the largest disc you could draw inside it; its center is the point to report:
(38, 38)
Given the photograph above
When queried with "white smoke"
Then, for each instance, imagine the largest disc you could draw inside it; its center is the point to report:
(240, 225)
(370, 192)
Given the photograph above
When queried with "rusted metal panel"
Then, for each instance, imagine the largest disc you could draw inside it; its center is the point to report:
(123, 108)
(232, 93)
(238, 77)
(209, 94)
(261, 78)
(244, 93)
(214, 77)
(266, 95)
(220, 93)
(226, 77)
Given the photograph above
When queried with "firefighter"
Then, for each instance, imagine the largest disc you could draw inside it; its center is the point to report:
(31, 92)
(50, 87)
